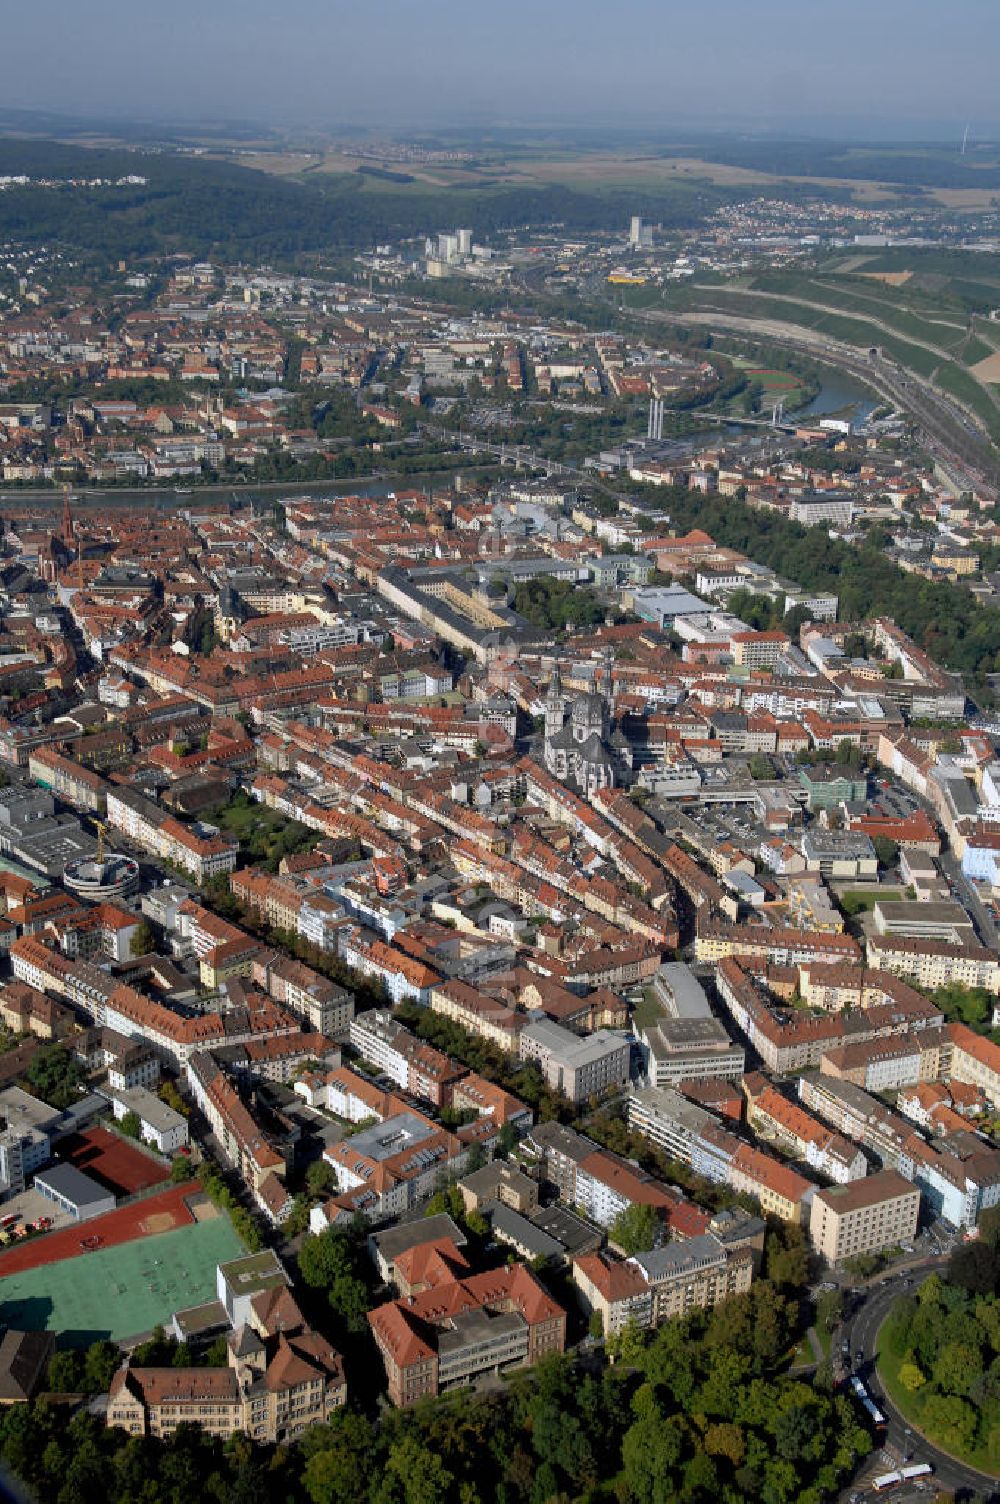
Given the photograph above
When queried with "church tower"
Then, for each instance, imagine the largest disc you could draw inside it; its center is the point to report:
(555, 705)
(67, 523)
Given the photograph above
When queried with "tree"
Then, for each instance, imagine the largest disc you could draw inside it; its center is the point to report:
(911, 1376)
(55, 1076)
(787, 1259)
(635, 1228)
(414, 1474)
(651, 1450)
(327, 1262)
(131, 1125)
(142, 941)
(320, 1179)
(181, 1169)
(595, 1326)
(957, 1368)
(989, 1226)
(950, 1421)
(628, 1345)
(65, 1375)
(975, 1267)
(725, 1440)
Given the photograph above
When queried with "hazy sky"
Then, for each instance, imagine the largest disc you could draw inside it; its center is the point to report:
(796, 64)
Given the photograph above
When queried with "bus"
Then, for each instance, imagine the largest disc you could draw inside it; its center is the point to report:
(872, 1411)
(888, 1481)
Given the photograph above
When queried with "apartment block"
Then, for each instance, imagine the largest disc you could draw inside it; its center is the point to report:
(668, 1282)
(579, 1068)
(865, 1216)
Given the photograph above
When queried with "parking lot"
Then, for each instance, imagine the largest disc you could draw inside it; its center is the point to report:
(29, 1205)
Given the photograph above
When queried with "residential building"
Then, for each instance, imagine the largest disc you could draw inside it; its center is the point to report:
(668, 1282)
(579, 1068)
(880, 1211)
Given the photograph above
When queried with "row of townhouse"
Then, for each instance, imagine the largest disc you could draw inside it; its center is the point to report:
(280, 1058)
(887, 1064)
(321, 1005)
(958, 1174)
(692, 1135)
(244, 1144)
(277, 793)
(859, 1116)
(388, 1046)
(785, 1124)
(935, 963)
(200, 851)
(479, 1014)
(788, 1039)
(602, 1185)
(72, 782)
(110, 1003)
(276, 900)
(400, 974)
(780, 947)
(974, 1061)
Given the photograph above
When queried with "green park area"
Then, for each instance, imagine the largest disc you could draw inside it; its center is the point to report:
(265, 835)
(939, 1356)
(122, 1291)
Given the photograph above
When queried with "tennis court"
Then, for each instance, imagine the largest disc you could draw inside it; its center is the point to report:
(123, 1290)
(117, 1165)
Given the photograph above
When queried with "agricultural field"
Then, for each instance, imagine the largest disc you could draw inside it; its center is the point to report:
(656, 166)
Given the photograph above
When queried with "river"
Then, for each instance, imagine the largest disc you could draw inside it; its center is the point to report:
(839, 397)
(263, 493)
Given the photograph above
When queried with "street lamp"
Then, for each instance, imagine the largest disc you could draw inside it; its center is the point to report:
(907, 1454)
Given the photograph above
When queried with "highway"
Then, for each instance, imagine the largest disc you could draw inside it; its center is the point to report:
(861, 1332)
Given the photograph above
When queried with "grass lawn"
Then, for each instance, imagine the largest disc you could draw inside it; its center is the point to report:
(910, 1406)
(860, 903)
(648, 1011)
(265, 835)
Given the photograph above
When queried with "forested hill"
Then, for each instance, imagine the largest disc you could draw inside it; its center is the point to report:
(204, 207)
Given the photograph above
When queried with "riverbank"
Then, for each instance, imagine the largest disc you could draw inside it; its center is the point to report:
(375, 484)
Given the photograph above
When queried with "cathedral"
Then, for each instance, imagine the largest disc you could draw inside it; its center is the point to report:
(576, 748)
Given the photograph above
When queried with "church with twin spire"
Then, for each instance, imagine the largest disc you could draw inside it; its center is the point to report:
(576, 738)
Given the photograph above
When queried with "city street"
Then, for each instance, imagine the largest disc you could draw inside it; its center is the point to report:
(861, 1333)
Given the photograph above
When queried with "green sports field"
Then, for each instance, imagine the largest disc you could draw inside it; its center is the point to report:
(122, 1291)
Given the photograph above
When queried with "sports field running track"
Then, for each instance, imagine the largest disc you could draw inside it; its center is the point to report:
(122, 1291)
(143, 1219)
